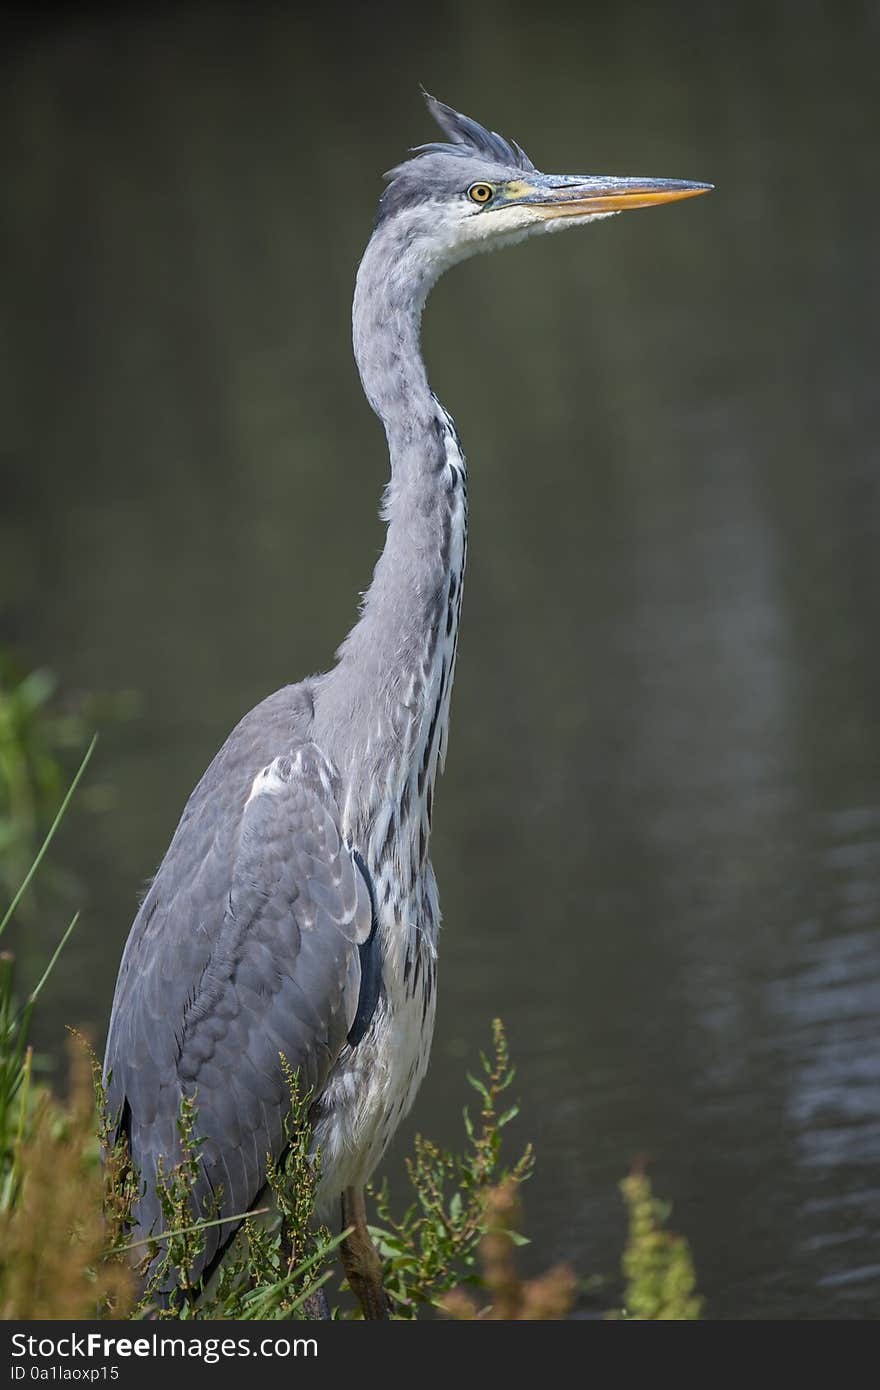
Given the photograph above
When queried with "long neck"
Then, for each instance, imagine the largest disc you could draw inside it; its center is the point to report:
(388, 696)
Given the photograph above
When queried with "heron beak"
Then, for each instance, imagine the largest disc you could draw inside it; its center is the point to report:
(577, 196)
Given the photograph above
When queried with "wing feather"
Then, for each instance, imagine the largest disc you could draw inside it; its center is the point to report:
(245, 947)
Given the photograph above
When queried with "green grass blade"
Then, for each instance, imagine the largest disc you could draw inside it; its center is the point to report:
(35, 992)
(262, 1298)
(49, 836)
(186, 1230)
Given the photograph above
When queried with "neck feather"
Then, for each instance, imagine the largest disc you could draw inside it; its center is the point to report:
(387, 699)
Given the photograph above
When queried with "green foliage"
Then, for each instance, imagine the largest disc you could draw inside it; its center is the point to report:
(433, 1246)
(657, 1265)
(184, 1232)
(16, 1095)
(504, 1296)
(16, 1060)
(51, 1229)
(38, 739)
(30, 771)
(272, 1268)
(276, 1265)
(52, 1233)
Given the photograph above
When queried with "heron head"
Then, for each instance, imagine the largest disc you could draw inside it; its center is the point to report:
(476, 191)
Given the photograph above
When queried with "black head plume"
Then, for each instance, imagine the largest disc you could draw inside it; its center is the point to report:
(468, 137)
(428, 172)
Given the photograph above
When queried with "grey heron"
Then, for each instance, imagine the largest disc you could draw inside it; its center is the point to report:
(296, 911)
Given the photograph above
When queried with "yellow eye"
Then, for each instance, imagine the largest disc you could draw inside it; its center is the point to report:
(480, 192)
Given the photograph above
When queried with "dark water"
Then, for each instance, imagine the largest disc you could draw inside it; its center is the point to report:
(658, 839)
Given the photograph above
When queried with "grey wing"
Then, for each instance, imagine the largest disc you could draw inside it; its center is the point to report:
(254, 954)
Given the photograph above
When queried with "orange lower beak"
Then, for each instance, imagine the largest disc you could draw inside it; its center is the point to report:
(580, 197)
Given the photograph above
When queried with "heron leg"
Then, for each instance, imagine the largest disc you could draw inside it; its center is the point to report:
(360, 1258)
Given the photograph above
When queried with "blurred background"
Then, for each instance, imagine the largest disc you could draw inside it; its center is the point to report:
(658, 837)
